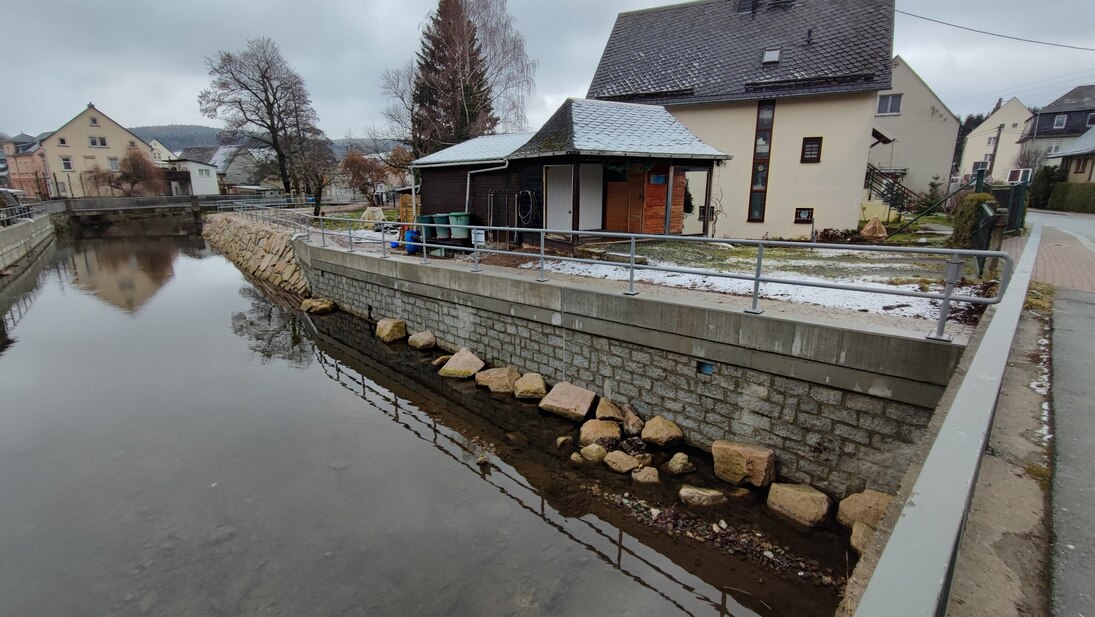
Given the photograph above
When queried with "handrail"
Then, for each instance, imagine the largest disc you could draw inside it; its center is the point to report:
(952, 275)
(13, 214)
(913, 574)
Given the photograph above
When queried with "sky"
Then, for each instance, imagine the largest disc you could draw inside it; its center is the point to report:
(144, 63)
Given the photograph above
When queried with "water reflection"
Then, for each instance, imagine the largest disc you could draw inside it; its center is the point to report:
(272, 331)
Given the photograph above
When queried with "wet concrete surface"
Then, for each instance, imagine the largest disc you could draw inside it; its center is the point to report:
(197, 452)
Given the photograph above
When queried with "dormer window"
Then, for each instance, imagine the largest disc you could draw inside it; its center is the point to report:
(94, 121)
(771, 55)
(1059, 121)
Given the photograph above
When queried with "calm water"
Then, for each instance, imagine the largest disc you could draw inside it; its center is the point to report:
(172, 443)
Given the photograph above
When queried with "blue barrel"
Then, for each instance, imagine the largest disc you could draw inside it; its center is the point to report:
(409, 237)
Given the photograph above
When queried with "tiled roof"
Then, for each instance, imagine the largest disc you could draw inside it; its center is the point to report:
(584, 126)
(708, 51)
(1077, 99)
(1084, 145)
(481, 149)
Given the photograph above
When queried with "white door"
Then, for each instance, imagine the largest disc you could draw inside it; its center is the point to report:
(590, 196)
(559, 196)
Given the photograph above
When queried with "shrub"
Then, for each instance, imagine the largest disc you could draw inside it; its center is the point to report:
(966, 216)
(1072, 197)
(839, 236)
(934, 194)
(1041, 187)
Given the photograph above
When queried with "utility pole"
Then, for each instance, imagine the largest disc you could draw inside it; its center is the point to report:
(995, 147)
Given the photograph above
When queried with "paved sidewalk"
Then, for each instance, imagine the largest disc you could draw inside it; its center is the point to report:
(1073, 551)
(1063, 260)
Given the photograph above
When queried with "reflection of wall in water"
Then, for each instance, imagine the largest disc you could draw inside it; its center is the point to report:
(123, 274)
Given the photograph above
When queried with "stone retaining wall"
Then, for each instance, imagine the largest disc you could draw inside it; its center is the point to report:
(837, 439)
(19, 240)
(263, 252)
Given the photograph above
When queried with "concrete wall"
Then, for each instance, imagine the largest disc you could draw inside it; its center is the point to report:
(833, 187)
(924, 132)
(17, 241)
(842, 408)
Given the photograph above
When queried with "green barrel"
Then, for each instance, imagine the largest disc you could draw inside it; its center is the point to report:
(442, 229)
(427, 219)
(460, 218)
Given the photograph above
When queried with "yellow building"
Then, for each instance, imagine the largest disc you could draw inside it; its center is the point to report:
(89, 142)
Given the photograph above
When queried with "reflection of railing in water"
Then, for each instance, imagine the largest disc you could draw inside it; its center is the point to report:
(403, 412)
(19, 308)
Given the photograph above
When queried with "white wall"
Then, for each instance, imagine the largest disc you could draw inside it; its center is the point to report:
(199, 184)
(1012, 115)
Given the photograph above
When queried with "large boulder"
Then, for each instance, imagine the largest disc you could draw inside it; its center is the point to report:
(530, 386)
(661, 432)
(422, 340)
(645, 475)
(862, 534)
(461, 365)
(607, 410)
(799, 504)
(318, 306)
(678, 465)
(867, 507)
(391, 330)
(737, 463)
(568, 400)
(632, 424)
(620, 461)
(703, 497)
(499, 380)
(594, 452)
(593, 430)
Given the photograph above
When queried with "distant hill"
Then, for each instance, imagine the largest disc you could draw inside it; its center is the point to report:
(179, 136)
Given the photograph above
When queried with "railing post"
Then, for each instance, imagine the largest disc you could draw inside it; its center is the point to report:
(953, 275)
(631, 272)
(350, 234)
(383, 244)
(475, 252)
(542, 277)
(754, 309)
(322, 233)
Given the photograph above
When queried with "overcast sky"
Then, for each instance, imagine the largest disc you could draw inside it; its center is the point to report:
(143, 62)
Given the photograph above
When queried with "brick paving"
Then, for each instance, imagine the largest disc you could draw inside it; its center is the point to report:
(1063, 260)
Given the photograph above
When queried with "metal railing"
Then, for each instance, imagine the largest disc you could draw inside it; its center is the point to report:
(305, 223)
(15, 214)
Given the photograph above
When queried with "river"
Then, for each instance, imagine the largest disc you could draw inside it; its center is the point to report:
(173, 442)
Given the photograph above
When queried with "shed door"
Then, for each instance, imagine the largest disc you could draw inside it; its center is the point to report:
(559, 196)
(590, 206)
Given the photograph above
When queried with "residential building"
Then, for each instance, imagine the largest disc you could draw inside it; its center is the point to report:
(593, 166)
(1058, 125)
(161, 154)
(994, 145)
(185, 177)
(789, 87)
(1079, 158)
(235, 164)
(89, 142)
(26, 166)
(923, 132)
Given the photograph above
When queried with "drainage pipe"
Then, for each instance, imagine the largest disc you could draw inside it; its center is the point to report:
(467, 188)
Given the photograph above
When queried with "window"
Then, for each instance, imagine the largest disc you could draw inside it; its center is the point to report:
(1059, 121)
(112, 162)
(66, 163)
(132, 144)
(804, 215)
(155, 155)
(1081, 166)
(61, 141)
(762, 152)
(94, 121)
(1091, 119)
(992, 140)
(979, 165)
(988, 158)
(1054, 147)
(1014, 125)
(203, 173)
(889, 104)
(771, 56)
(811, 150)
(97, 142)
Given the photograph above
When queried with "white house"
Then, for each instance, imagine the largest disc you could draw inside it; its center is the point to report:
(993, 144)
(186, 177)
(161, 154)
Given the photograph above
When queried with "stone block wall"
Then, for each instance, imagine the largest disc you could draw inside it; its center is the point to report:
(836, 440)
(263, 252)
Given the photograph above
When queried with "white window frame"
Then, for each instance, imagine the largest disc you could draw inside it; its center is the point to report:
(1091, 119)
(771, 55)
(889, 98)
(1060, 120)
(1053, 148)
(204, 173)
(988, 158)
(979, 165)
(992, 140)
(61, 141)
(96, 142)
(66, 164)
(94, 121)
(113, 164)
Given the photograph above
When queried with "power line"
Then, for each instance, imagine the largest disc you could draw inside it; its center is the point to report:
(1003, 36)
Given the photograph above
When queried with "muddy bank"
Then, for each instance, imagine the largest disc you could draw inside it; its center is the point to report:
(736, 548)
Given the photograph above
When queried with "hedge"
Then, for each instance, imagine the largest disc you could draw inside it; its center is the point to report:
(1073, 197)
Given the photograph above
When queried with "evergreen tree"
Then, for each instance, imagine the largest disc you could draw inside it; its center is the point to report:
(452, 97)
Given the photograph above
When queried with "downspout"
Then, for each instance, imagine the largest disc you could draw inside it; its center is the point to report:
(467, 188)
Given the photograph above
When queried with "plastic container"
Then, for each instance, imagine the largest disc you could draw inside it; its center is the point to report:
(442, 229)
(460, 218)
(427, 232)
(411, 236)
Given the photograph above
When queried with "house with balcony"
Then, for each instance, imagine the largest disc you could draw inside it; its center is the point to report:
(1057, 126)
(88, 143)
(186, 177)
(994, 144)
(235, 164)
(789, 87)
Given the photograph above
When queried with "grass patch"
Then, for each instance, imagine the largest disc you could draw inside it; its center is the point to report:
(922, 284)
(1040, 297)
(1041, 473)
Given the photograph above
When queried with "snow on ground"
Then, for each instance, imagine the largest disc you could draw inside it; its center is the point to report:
(1042, 385)
(884, 304)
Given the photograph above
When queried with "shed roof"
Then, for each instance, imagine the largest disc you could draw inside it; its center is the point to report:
(1085, 144)
(484, 149)
(713, 50)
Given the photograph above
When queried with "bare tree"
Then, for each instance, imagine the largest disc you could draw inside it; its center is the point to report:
(135, 169)
(1030, 157)
(364, 173)
(259, 96)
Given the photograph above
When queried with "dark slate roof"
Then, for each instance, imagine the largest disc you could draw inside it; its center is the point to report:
(593, 127)
(1078, 99)
(22, 138)
(708, 51)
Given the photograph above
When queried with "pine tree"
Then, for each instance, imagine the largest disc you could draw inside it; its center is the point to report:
(452, 97)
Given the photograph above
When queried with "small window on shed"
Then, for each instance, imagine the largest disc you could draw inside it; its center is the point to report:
(771, 55)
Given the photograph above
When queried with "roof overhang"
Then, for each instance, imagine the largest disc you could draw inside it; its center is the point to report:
(624, 154)
(880, 137)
